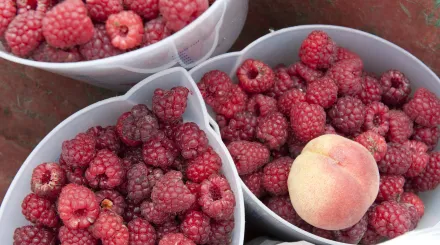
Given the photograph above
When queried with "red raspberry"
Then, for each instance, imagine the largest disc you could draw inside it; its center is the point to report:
(323, 233)
(175, 238)
(371, 90)
(39, 210)
(377, 118)
(424, 108)
(409, 186)
(345, 54)
(155, 31)
(304, 72)
(419, 157)
(282, 152)
(77, 206)
(7, 13)
(137, 126)
(76, 237)
(100, 10)
(24, 33)
(47, 180)
(106, 138)
(170, 128)
(414, 216)
(111, 200)
(222, 121)
(275, 176)
(370, 237)
(141, 232)
(255, 77)
(100, 46)
(203, 166)
(307, 120)
(132, 211)
(396, 161)
(283, 82)
(125, 30)
(191, 140)
(430, 178)
(254, 182)
(138, 186)
(31, 5)
(73, 174)
(168, 227)
(290, 98)
(216, 198)
(46, 53)
(107, 226)
(374, 143)
(221, 232)
(401, 127)
(295, 146)
(429, 136)
(160, 151)
(354, 233)
(395, 86)
(132, 154)
(323, 92)
(67, 25)
(233, 103)
(169, 105)
(78, 152)
(413, 199)
(195, 190)
(33, 235)
(105, 171)
(329, 129)
(348, 114)
(242, 126)
(152, 214)
(318, 50)
(262, 105)
(155, 175)
(196, 226)
(146, 9)
(122, 237)
(215, 87)
(272, 130)
(248, 156)
(180, 13)
(346, 74)
(390, 219)
(282, 206)
(390, 187)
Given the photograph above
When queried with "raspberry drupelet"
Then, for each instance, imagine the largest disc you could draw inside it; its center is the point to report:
(8, 12)
(76, 236)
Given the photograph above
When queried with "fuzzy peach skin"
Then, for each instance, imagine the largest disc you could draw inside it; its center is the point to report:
(333, 182)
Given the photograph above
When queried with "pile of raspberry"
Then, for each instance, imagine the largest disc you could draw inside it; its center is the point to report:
(81, 30)
(150, 179)
(272, 113)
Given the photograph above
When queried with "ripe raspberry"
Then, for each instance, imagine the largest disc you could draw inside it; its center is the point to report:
(47, 180)
(169, 105)
(304, 72)
(216, 198)
(290, 98)
(318, 50)
(232, 103)
(395, 86)
(424, 108)
(76, 237)
(377, 118)
(221, 232)
(215, 87)
(155, 31)
(7, 12)
(73, 174)
(275, 176)
(354, 233)
(390, 219)
(430, 178)
(282, 152)
(346, 74)
(371, 90)
(160, 151)
(348, 114)
(283, 82)
(111, 200)
(396, 161)
(169, 128)
(39, 210)
(413, 199)
(100, 10)
(100, 46)
(175, 238)
(323, 233)
(155, 175)
(33, 235)
(390, 187)
(295, 146)
(107, 226)
(78, 152)
(429, 136)
(414, 216)
(30, 5)
(307, 120)
(137, 126)
(46, 53)
(132, 155)
(132, 211)
(77, 206)
(106, 138)
(374, 143)
(146, 9)
(262, 105)
(419, 157)
(141, 232)
(179, 13)
(196, 226)
(272, 130)
(125, 29)
(191, 140)
(370, 237)
(254, 182)
(401, 127)
(248, 156)
(329, 129)
(194, 188)
(282, 206)
(138, 186)
(24, 33)
(105, 171)
(323, 92)
(255, 77)
(122, 237)
(345, 54)
(409, 186)
(152, 214)
(203, 166)
(242, 126)
(171, 226)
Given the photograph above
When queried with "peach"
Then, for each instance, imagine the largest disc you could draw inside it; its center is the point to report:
(333, 182)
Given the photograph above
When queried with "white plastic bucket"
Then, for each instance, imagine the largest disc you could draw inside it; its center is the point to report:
(210, 34)
(282, 46)
(106, 113)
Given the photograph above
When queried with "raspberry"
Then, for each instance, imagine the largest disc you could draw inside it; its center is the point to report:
(390, 219)
(222, 121)
(138, 186)
(318, 50)
(348, 114)
(307, 120)
(395, 86)
(430, 178)
(132, 211)
(371, 90)
(374, 143)
(107, 226)
(146, 9)
(346, 74)
(191, 140)
(254, 182)
(282, 152)
(233, 103)
(196, 226)
(306, 73)
(46, 53)
(295, 146)
(329, 129)
(413, 199)
(152, 214)
(354, 233)
(401, 127)
(396, 161)
(290, 98)
(272, 130)
(215, 86)
(203, 166)
(73, 174)
(133, 155)
(323, 233)
(429, 136)
(122, 237)
(125, 29)
(345, 54)
(255, 77)
(160, 151)
(424, 108)
(155, 175)
(221, 232)
(323, 92)
(377, 118)
(137, 125)
(275, 176)
(419, 157)
(175, 238)
(390, 187)
(242, 126)
(262, 105)
(76, 237)
(77, 206)
(370, 237)
(155, 31)
(179, 13)
(39, 210)
(100, 10)
(216, 198)
(282, 206)
(105, 171)
(141, 232)
(283, 82)
(248, 156)
(78, 152)
(168, 227)
(7, 12)
(169, 128)
(24, 33)
(47, 180)
(100, 46)
(194, 188)
(33, 235)
(106, 138)
(169, 105)
(414, 216)
(67, 25)
(30, 5)
(111, 200)
(409, 186)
